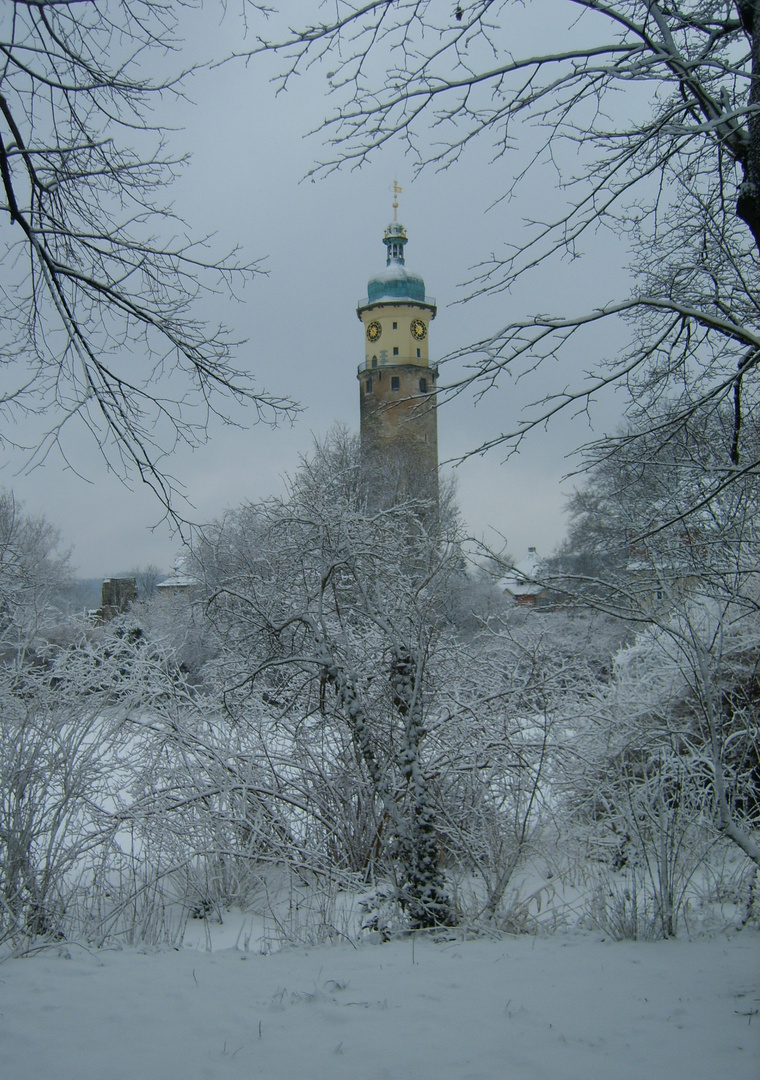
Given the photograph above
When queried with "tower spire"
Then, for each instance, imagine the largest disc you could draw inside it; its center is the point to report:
(397, 189)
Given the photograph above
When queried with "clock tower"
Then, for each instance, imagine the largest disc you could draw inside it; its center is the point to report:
(399, 422)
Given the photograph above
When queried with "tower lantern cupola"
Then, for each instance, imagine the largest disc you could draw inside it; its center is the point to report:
(394, 240)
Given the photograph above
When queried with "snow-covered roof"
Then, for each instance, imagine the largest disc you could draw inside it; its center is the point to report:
(179, 578)
(177, 582)
(521, 580)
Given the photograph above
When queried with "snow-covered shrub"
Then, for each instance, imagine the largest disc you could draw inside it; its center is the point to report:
(665, 763)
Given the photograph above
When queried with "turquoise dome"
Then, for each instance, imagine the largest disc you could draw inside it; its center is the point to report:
(395, 282)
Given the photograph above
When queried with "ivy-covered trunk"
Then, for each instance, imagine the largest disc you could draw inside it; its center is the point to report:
(422, 889)
(424, 892)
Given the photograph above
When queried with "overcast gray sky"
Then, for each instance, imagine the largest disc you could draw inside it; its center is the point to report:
(321, 241)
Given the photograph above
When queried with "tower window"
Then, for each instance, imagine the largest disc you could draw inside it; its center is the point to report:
(395, 326)
(374, 361)
(418, 354)
(395, 382)
(423, 384)
(395, 350)
(368, 386)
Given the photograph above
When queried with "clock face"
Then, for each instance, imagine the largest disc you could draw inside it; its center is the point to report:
(374, 330)
(419, 330)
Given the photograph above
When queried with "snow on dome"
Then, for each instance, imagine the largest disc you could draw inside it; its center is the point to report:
(395, 283)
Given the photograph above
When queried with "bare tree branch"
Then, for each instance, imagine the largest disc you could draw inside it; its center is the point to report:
(101, 280)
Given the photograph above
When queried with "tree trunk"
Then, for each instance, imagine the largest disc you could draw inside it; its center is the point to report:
(427, 900)
(748, 201)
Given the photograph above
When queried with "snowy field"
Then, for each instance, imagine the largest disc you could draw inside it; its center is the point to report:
(561, 1007)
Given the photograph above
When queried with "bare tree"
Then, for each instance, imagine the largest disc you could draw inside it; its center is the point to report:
(101, 281)
(405, 742)
(648, 115)
(146, 580)
(691, 589)
(34, 571)
(665, 762)
(329, 618)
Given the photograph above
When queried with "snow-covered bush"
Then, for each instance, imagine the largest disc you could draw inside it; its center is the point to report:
(667, 761)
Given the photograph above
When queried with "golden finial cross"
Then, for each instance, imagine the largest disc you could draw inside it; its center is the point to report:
(396, 192)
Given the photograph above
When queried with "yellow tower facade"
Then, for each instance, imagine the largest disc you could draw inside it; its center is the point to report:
(397, 384)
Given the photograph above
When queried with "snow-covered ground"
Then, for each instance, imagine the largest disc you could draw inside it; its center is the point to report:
(560, 1007)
